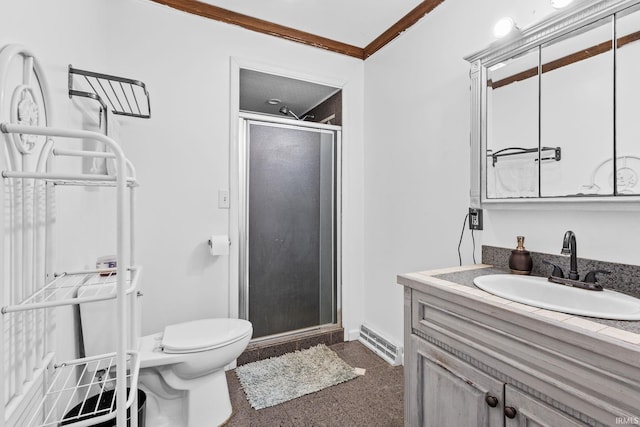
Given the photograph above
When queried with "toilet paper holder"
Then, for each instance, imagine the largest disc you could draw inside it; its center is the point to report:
(219, 245)
(210, 243)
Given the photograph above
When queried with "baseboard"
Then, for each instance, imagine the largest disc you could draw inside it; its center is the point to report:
(352, 335)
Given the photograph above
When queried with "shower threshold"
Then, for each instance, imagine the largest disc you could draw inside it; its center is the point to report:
(277, 345)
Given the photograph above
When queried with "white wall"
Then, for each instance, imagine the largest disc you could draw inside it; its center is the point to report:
(182, 153)
(417, 105)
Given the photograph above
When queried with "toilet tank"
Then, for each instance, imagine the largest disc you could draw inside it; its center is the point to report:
(99, 323)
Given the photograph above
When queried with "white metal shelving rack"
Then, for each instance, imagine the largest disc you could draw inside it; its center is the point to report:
(42, 390)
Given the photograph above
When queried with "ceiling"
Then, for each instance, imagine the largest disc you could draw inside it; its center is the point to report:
(355, 22)
(257, 88)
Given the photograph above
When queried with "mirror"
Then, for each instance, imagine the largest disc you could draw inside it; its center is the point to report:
(510, 170)
(576, 109)
(627, 154)
(554, 111)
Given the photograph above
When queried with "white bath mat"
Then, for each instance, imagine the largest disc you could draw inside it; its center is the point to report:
(279, 379)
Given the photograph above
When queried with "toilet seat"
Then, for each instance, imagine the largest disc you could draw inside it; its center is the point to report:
(203, 335)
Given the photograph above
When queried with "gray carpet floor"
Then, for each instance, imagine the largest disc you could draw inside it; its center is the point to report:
(375, 399)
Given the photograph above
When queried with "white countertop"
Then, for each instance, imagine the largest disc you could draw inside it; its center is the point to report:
(567, 320)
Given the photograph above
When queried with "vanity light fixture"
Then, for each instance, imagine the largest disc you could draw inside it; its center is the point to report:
(559, 4)
(504, 27)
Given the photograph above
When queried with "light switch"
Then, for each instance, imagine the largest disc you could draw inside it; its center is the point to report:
(223, 199)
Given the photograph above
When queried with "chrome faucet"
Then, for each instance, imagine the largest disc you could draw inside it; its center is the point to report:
(569, 247)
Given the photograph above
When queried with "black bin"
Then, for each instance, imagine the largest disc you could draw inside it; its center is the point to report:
(74, 415)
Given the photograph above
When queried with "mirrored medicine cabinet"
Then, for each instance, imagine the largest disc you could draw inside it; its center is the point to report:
(556, 110)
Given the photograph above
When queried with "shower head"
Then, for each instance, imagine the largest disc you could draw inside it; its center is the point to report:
(286, 111)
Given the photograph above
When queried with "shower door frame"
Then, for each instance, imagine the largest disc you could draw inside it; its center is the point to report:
(245, 119)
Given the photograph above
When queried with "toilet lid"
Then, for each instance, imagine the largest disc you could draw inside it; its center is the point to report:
(203, 334)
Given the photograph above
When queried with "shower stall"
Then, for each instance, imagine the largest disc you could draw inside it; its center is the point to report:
(289, 225)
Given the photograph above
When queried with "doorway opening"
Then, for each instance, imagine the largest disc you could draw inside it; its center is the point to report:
(289, 184)
(280, 96)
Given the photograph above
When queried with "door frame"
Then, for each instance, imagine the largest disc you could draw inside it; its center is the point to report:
(235, 65)
(245, 119)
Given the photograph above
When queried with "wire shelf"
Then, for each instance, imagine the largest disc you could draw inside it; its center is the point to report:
(125, 97)
(98, 285)
(130, 183)
(81, 392)
(83, 180)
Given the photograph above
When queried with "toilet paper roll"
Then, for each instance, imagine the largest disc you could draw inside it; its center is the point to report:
(219, 245)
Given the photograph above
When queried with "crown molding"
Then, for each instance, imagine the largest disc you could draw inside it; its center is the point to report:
(261, 26)
(206, 10)
(401, 26)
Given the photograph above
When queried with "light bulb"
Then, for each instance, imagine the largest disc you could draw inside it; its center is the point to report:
(503, 27)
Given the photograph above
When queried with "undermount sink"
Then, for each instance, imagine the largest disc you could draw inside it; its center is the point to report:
(539, 292)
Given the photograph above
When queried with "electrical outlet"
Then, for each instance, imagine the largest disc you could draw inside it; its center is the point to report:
(475, 219)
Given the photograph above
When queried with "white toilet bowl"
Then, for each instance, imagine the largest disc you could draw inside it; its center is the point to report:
(182, 371)
(181, 368)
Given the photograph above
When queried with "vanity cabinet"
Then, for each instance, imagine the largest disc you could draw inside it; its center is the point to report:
(472, 362)
(455, 393)
(524, 410)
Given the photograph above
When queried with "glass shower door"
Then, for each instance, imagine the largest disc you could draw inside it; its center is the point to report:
(290, 217)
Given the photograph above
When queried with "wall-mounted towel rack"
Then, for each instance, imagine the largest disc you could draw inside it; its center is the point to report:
(512, 151)
(122, 96)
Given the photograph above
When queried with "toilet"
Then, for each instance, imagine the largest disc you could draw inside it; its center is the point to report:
(182, 369)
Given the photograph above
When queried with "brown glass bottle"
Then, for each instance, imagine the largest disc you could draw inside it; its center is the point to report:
(520, 260)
